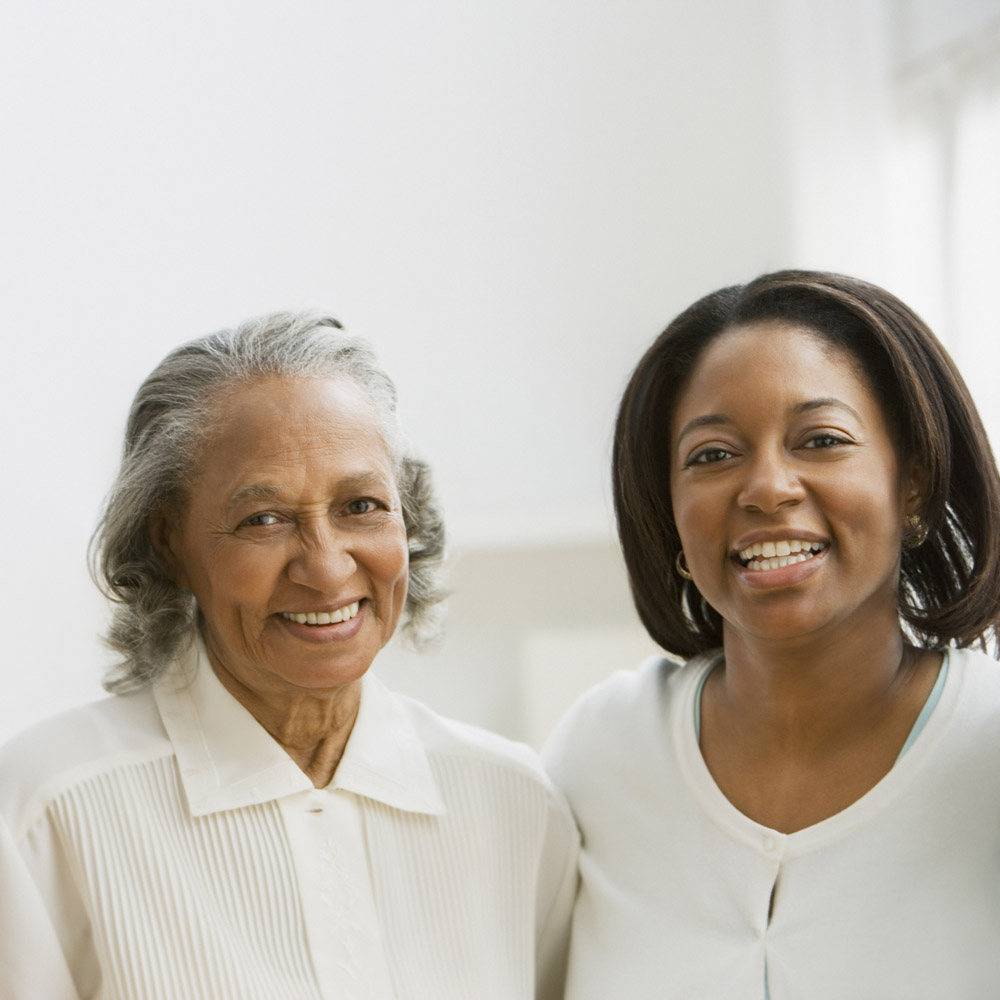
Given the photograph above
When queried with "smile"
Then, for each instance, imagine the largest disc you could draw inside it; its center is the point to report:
(344, 614)
(773, 555)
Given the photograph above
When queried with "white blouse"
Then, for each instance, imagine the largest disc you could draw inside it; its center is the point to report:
(682, 896)
(162, 845)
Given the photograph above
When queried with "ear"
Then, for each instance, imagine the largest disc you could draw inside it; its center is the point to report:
(915, 488)
(164, 533)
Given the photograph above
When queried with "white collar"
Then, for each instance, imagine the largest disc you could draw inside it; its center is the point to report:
(227, 760)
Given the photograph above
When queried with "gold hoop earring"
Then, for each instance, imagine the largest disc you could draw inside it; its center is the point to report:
(918, 532)
(680, 564)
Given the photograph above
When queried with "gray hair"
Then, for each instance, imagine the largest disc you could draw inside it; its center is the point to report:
(153, 618)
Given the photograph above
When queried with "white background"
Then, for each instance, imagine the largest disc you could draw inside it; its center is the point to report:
(509, 197)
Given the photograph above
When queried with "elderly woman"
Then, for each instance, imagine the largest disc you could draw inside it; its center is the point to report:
(808, 807)
(253, 815)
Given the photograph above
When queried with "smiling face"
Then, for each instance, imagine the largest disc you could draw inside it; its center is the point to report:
(293, 540)
(786, 486)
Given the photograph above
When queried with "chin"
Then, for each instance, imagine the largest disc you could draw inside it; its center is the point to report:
(323, 678)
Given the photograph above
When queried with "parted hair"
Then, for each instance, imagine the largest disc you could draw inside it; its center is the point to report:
(171, 418)
(949, 591)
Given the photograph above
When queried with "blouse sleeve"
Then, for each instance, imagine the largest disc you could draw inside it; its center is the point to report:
(556, 895)
(32, 963)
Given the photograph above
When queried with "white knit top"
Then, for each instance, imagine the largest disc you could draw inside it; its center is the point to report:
(161, 846)
(896, 897)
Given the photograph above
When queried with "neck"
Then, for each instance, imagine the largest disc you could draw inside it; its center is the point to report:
(312, 727)
(808, 693)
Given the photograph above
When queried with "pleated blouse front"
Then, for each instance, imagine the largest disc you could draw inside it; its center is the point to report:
(162, 845)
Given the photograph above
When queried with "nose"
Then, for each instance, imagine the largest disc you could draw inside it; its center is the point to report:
(323, 559)
(771, 482)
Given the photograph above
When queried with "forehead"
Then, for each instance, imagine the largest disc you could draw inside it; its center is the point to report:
(775, 353)
(772, 371)
(284, 429)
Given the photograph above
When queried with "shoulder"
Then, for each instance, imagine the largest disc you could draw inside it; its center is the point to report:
(622, 699)
(618, 722)
(447, 738)
(976, 676)
(52, 756)
(478, 770)
(977, 663)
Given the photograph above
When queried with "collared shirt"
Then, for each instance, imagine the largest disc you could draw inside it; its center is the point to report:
(163, 845)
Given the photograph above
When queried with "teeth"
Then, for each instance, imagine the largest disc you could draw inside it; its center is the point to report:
(778, 561)
(343, 614)
(772, 555)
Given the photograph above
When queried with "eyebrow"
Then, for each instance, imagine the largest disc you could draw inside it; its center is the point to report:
(817, 404)
(706, 420)
(718, 419)
(267, 492)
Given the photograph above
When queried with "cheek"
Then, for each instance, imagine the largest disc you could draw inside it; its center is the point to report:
(388, 559)
(400, 563)
(696, 521)
(874, 503)
(236, 581)
(390, 569)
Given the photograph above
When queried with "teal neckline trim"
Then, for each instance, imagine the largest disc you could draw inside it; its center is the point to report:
(918, 727)
(932, 699)
(697, 701)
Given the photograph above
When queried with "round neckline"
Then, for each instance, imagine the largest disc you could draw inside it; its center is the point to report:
(740, 826)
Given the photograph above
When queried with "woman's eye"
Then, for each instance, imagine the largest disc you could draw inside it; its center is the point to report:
(260, 520)
(825, 441)
(363, 506)
(709, 456)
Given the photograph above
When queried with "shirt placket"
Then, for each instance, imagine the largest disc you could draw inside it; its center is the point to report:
(328, 847)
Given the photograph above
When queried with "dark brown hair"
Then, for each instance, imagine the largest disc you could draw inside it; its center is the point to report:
(949, 588)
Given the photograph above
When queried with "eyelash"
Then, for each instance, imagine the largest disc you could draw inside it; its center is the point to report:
(254, 521)
(365, 500)
(249, 522)
(828, 436)
(702, 457)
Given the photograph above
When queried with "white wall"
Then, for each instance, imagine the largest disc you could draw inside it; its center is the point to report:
(510, 198)
(922, 28)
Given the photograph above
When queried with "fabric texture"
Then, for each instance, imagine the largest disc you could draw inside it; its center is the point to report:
(162, 845)
(682, 896)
